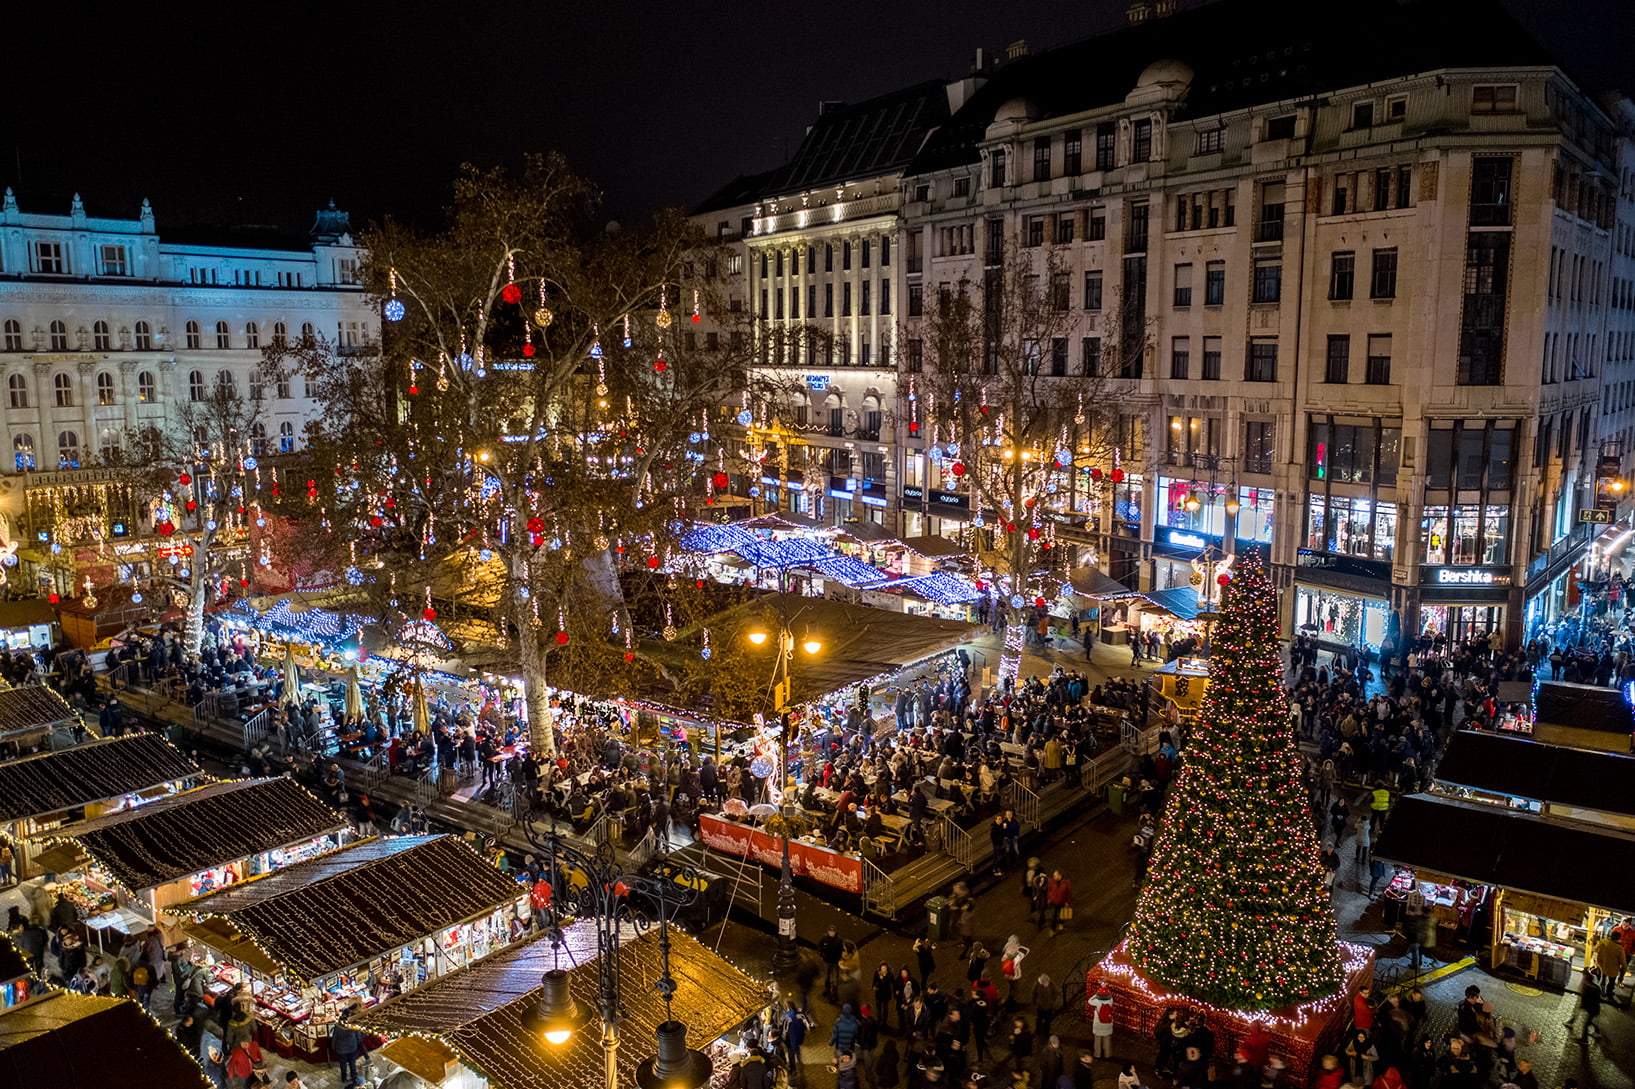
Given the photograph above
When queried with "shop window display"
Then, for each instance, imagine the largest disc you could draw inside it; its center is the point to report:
(1465, 535)
(1351, 526)
(1256, 514)
(1337, 617)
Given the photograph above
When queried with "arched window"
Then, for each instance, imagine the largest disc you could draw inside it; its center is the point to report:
(23, 447)
(14, 335)
(59, 337)
(224, 339)
(308, 336)
(193, 336)
(252, 335)
(286, 438)
(147, 388)
(67, 450)
(17, 385)
(258, 440)
(101, 341)
(105, 388)
(225, 383)
(63, 386)
(280, 333)
(144, 337)
(195, 385)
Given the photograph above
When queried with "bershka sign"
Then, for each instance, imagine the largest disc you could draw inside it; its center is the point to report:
(1465, 576)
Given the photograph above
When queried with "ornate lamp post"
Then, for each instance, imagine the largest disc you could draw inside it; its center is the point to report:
(612, 899)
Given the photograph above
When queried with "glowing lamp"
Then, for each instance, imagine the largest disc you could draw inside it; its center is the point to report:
(557, 1013)
(811, 645)
(757, 637)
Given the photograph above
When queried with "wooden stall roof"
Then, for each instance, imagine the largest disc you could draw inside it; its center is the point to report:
(173, 837)
(347, 906)
(32, 708)
(1523, 768)
(74, 1040)
(50, 782)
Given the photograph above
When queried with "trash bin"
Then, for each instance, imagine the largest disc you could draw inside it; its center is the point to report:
(447, 781)
(936, 918)
(1115, 798)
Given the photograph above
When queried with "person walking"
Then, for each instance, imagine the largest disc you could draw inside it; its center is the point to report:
(1101, 1025)
(795, 1026)
(1589, 1004)
(830, 948)
(344, 1044)
(1047, 1000)
(1059, 894)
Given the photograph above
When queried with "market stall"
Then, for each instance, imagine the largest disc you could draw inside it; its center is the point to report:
(138, 862)
(313, 939)
(41, 792)
(69, 1040)
(17, 982)
(28, 622)
(484, 1016)
(35, 716)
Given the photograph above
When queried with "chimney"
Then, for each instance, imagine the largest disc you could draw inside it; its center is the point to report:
(1016, 49)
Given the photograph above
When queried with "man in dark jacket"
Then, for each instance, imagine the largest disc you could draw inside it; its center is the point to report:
(754, 1071)
(344, 1043)
(829, 948)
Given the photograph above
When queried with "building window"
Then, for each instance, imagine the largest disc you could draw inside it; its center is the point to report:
(101, 339)
(115, 261)
(346, 270)
(1096, 231)
(309, 336)
(1212, 359)
(1135, 234)
(17, 387)
(916, 300)
(1262, 363)
(1362, 115)
(915, 360)
(105, 388)
(62, 388)
(1180, 358)
(1209, 141)
(225, 384)
(1034, 235)
(195, 386)
(144, 336)
(1379, 359)
(1268, 280)
(147, 388)
(1058, 356)
(828, 300)
(68, 449)
(1259, 445)
(1342, 275)
(284, 386)
(252, 335)
(14, 335)
(1360, 452)
(1280, 128)
(1092, 290)
(846, 299)
(1338, 371)
(1493, 98)
(1215, 283)
(1061, 291)
(1072, 152)
(1106, 145)
(1383, 283)
(1183, 285)
(59, 336)
(1041, 159)
(48, 258)
(1490, 191)
(962, 186)
(286, 438)
(1064, 229)
(193, 335)
(1141, 140)
(1396, 108)
(996, 169)
(1465, 535)
(1481, 334)
(865, 309)
(1090, 356)
(866, 248)
(224, 339)
(23, 446)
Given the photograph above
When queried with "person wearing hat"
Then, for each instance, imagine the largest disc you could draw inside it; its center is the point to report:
(214, 1068)
(1101, 1012)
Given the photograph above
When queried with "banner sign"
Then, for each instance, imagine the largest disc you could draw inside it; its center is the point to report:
(805, 860)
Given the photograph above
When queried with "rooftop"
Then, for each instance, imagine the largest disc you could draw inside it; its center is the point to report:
(50, 782)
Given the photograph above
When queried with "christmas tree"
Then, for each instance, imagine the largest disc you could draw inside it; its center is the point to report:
(1235, 911)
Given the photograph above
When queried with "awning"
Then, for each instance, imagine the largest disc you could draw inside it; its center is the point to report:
(1522, 768)
(792, 552)
(221, 936)
(1511, 849)
(935, 547)
(1090, 582)
(1180, 601)
(846, 569)
(941, 587)
(425, 1058)
(63, 858)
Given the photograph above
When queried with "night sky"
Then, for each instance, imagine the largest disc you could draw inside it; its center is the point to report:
(261, 113)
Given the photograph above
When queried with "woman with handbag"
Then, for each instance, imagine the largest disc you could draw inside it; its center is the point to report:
(1059, 894)
(246, 1067)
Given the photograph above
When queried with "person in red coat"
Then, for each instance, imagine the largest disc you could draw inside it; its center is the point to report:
(1329, 1075)
(1362, 1011)
(1059, 895)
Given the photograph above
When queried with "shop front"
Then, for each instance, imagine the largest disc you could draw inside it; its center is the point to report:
(1341, 601)
(1463, 603)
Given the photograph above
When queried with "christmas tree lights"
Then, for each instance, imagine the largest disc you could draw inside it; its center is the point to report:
(1235, 911)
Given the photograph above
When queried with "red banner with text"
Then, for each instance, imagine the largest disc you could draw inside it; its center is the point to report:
(805, 860)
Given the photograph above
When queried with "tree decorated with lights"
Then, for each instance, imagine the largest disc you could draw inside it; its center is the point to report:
(535, 431)
(1235, 911)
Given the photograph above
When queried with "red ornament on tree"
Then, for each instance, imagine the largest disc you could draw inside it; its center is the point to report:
(166, 529)
(413, 390)
(1039, 601)
(192, 505)
(719, 480)
(1222, 579)
(913, 427)
(538, 539)
(697, 318)
(536, 524)
(1118, 476)
(957, 468)
(375, 519)
(528, 350)
(629, 657)
(1033, 533)
(561, 638)
(430, 614)
(53, 598)
(1010, 527)
(511, 293)
(653, 562)
(184, 479)
(1095, 475)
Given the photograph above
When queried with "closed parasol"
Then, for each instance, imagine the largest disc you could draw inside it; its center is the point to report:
(292, 676)
(354, 694)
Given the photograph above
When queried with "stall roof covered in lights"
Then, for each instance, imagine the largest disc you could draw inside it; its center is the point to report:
(32, 709)
(939, 586)
(329, 913)
(317, 625)
(845, 569)
(1494, 845)
(1521, 768)
(67, 1039)
(51, 782)
(175, 837)
(483, 1013)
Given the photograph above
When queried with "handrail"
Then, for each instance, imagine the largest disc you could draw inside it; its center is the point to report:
(257, 728)
(957, 843)
(879, 890)
(1024, 801)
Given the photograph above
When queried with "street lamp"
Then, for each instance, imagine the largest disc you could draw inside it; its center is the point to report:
(784, 957)
(609, 901)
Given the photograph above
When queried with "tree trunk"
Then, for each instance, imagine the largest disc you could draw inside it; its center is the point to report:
(536, 691)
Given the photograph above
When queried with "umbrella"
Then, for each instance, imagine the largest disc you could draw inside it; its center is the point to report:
(422, 713)
(735, 807)
(354, 694)
(292, 676)
(763, 809)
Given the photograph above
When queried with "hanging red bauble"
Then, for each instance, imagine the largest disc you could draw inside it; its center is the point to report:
(1010, 527)
(709, 501)
(511, 293)
(538, 539)
(1028, 502)
(166, 529)
(719, 480)
(1039, 601)
(629, 657)
(430, 613)
(244, 582)
(192, 505)
(619, 549)
(697, 317)
(660, 366)
(375, 519)
(1118, 476)
(561, 638)
(53, 598)
(653, 562)
(390, 503)
(528, 350)
(913, 427)
(1223, 578)
(413, 390)
(184, 479)
(1095, 475)
(957, 468)
(536, 524)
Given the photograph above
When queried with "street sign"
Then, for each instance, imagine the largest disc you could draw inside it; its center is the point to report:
(1594, 516)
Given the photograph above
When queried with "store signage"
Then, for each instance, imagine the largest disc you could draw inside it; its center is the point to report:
(873, 500)
(805, 860)
(1594, 516)
(176, 550)
(770, 481)
(1183, 539)
(951, 499)
(913, 494)
(817, 382)
(1465, 576)
(836, 493)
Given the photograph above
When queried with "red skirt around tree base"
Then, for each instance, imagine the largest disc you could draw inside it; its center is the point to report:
(1301, 1035)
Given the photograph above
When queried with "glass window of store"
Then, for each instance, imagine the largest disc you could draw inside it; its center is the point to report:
(1256, 514)
(1349, 460)
(1190, 437)
(1470, 469)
